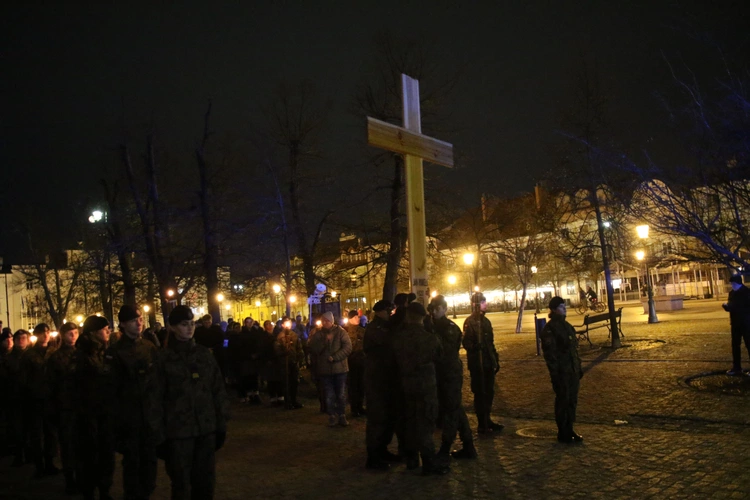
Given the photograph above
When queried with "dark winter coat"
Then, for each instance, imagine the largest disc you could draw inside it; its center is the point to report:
(61, 371)
(338, 348)
(738, 306)
(416, 352)
(93, 391)
(33, 363)
(560, 346)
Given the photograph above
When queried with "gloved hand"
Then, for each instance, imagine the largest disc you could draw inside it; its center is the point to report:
(220, 438)
(162, 450)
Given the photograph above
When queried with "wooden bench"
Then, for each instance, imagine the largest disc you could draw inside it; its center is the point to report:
(592, 322)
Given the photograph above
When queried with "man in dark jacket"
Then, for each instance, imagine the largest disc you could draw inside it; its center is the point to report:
(61, 381)
(450, 378)
(289, 355)
(42, 438)
(189, 410)
(132, 362)
(483, 361)
(382, 388)
(416, 353)
(560, 346)
(356, 377)
(738, 306)
(94, 407)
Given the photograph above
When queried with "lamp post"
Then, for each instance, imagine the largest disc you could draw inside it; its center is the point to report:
(292, 300)
(469, 261)
(534, 271)
(354, 282)
(276, 291)
(257, 304)
(220, 299)
(641, 256)
(452, 282)
(96, 217)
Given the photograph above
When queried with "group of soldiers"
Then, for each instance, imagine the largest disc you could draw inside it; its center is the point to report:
(95, 392)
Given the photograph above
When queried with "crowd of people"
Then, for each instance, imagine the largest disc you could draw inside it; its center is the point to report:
(162, 392)
(91, 392)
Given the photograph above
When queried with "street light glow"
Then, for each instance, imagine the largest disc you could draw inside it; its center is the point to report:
(468, 259)
(292, 299)
(96, 216)
(452, 279)
(257, 303)
(433, 294)
(146, 308)
(534, 269)
(642, 231)
(476, 288)
(276, 289)
(228, 307)
(640, 255)
(170, 293)
(333, 293)
(220, 297)
(79, 318)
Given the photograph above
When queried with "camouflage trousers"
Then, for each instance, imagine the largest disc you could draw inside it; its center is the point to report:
(191, 465)
(95, 447)
(565, 386)
(483, 387)
(419, 422)
(138, 463)
(454, 418)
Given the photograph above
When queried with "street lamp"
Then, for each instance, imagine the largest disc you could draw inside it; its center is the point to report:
(452, 282)
(534, 270)
(276, 290)
(642, 232)
(95, 217)
(257, 304)
(354, 282)
(469, 261)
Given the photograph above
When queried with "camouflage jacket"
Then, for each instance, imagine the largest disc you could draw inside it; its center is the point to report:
(560, 346)
(33, 362)
(13, 371)
(190, 399)
(450, 338)
(417, 350)
(132, 366)
(61, 369)
(479, 342)
(357, 338)
(93, 391)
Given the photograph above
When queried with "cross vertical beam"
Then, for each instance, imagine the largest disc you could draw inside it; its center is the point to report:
(413, 169)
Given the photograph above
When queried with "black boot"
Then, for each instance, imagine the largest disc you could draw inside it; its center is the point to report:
(445, 449)
(375, 461)
(468, 451)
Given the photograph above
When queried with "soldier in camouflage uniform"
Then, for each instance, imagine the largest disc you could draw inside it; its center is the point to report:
(15, 397)
(6, 347)
(189, 410)
(483, 361)
(356, 376)
(289, 355)
(382, 388)
(42, 438)
(132, 361)
(450, 378)
(61, 382)
(416, 353)
(94, 406)
(560, 346)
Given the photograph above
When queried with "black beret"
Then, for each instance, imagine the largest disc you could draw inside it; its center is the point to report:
(401, 299)
(353, 313)
(382, 305)
(180, 314)
(94, 323)
(737, 278)
(478, 298)
(6, 334)
(416, 308)
(127, 313)
(555, 302)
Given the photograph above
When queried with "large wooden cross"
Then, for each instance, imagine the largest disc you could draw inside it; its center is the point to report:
(409, 141)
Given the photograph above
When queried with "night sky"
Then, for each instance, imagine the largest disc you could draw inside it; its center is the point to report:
(69, 71)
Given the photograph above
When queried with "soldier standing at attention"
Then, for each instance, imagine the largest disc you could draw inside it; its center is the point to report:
(382, 388)
(356, 377)
(560, 346)
(42, 439)
(450, 379)
(132, 360)
(60, 379)
(94, 406)
(18, 423)
(416, 352)
(483, 361)
(738, 306)
(189, 410)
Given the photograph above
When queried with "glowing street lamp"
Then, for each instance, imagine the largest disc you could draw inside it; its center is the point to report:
(433, 294)
(170, 293)
(79, 318)
(534, 271)
(640, 255)
(146, 308)
(452, 283)
(468, 259)
(257, 304)
(220, 297)
(333, 294)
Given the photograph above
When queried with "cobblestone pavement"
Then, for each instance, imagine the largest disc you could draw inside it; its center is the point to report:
(684, 436)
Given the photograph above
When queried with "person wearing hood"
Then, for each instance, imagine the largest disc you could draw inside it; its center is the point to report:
(93, 398)
(189, 409)
(132, 361)
(560, 346)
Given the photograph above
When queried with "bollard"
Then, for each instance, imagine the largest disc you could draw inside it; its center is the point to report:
(539, 324)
